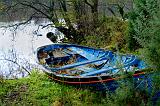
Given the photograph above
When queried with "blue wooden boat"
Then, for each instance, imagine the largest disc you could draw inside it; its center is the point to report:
(80, 65)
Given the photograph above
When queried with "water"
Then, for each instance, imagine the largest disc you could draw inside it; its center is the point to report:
(20, 46)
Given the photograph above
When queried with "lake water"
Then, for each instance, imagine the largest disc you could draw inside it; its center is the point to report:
(20, 46)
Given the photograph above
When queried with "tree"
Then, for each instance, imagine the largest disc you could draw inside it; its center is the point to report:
(81, 17)
(71, 11)
(145, 23)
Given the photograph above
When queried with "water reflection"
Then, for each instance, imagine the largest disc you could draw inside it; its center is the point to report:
(21, 45)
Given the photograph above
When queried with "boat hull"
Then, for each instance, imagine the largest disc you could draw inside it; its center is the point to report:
(94, 77)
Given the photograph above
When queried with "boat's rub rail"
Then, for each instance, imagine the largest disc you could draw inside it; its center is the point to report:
(91, 79)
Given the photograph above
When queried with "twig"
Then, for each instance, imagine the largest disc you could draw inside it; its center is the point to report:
(15, 62)
(86, 1)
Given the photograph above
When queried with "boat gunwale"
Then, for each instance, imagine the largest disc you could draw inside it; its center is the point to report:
(65, 44)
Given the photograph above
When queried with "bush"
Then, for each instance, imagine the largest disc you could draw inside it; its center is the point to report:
(145, 23)
(111, 32)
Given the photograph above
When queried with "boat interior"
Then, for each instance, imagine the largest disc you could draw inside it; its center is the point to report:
(72, 60)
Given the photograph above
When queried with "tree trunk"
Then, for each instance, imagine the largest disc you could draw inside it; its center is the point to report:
(94, 11)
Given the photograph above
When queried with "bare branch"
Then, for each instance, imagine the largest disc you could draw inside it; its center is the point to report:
(25, 3)
(15, 26)
(15, 62)
(10, 7)
(63, 5)
(86, 1)
(44, 26)
(43, 5)
(110, 9)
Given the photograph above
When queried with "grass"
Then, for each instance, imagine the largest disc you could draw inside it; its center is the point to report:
(38, 90)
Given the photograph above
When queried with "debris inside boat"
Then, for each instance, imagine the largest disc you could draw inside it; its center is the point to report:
(75, 60)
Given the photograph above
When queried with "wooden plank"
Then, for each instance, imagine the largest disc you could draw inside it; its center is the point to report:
(77, 64)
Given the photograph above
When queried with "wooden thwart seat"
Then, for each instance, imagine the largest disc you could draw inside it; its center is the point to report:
(76, 64)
